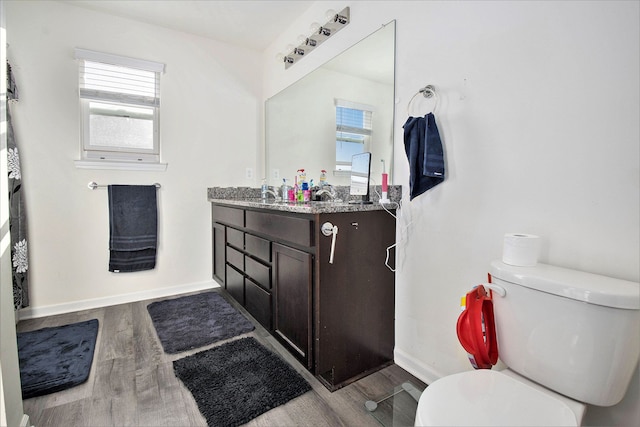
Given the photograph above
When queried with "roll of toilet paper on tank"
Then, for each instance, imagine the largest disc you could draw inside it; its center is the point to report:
(520, 249)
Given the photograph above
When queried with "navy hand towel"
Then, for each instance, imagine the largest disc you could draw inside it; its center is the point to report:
(423, 147)
(133, 227)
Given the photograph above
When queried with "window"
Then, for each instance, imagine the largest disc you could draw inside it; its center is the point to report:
(120, 106)
(353, 131)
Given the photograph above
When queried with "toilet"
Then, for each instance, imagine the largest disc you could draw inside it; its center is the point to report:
(567, 338)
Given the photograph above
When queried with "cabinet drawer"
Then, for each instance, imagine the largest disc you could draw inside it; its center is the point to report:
(258, 303)
(235, 284)
(289, 228)
(227, 215)
(259, 248)
(259, 272)
(235, 258)
(235, 238)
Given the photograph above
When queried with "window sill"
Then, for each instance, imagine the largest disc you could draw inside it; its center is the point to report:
(111, 165)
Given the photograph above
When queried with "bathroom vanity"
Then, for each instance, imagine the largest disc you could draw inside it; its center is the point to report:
(273, 258)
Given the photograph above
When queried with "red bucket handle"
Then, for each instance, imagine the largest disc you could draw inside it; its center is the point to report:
(479, 341)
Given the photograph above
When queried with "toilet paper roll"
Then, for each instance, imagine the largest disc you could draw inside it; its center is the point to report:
(521, 249)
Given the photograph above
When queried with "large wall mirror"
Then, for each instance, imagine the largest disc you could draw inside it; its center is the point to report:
(341, 108)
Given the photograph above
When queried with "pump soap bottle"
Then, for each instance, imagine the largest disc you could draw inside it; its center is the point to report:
(285, 189)
(263, 189)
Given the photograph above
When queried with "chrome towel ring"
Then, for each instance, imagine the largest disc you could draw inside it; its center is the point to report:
(429, 91)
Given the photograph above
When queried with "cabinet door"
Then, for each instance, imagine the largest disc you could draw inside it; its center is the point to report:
(292, 284)
(355, 297)
(219, 245)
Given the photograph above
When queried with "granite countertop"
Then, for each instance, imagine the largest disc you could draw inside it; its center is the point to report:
(250, 198)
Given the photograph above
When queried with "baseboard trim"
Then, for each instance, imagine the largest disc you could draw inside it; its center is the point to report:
(415, 367)
(50, 310)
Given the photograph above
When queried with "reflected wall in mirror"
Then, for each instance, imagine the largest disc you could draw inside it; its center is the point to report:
(303, 132)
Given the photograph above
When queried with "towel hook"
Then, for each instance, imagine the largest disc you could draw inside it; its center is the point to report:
(429, 91)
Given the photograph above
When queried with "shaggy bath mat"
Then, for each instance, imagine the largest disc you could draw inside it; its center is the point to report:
(55, 359)
(196, 320)
(237, 381)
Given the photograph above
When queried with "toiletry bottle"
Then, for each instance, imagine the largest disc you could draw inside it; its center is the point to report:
(296, 189)
(323, 178)
(263, 189)
(311, 190)
(285, 189)
(306, 193)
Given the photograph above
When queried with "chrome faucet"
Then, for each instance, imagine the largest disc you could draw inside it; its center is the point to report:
(331, 192)
(273, 192)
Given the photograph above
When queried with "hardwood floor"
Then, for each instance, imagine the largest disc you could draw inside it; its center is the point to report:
(132, 381)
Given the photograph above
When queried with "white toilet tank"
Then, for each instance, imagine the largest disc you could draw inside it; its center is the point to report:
(573, 332)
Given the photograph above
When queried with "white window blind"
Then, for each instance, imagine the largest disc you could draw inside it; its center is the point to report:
(353, 130)
(106, 77)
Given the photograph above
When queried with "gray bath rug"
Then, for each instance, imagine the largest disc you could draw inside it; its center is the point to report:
(237, 381)
(55, 359)
(196, 320)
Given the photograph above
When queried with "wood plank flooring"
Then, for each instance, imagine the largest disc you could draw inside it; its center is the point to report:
(132, 382)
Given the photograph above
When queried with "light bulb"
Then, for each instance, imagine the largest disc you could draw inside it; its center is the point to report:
(315, 27)
(280, 57)
(302, 39)
(331, 15)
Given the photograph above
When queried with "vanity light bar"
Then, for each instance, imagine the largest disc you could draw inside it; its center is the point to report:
(336, 22)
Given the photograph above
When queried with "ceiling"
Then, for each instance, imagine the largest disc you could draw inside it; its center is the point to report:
(248, 23)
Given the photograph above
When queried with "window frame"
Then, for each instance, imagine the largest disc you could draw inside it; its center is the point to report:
(95, 156)
(343, 167)
(119, 153)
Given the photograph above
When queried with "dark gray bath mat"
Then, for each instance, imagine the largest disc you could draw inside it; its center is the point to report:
(196, 320)
(55, 359)
(237, 381)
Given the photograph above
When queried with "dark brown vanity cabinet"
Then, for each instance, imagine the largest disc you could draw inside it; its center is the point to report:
(336, 318)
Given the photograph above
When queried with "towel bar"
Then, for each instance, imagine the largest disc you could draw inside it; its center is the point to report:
(93, 185)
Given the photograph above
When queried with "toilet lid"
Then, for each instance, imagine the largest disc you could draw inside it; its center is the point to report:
(489, 398)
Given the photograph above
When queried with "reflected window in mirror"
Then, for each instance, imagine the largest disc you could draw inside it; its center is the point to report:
(353, 132)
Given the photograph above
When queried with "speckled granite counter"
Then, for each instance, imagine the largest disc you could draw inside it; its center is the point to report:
(250, 198)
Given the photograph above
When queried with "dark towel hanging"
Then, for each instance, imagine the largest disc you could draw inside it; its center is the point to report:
(133, 227)
(423, 147)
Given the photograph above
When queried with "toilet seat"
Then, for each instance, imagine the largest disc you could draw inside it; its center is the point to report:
(492, 398)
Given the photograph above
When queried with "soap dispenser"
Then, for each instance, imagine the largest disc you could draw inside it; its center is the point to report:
(263, 189)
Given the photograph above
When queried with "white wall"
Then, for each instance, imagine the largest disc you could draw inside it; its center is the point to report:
(211, 116)
(539, 107)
